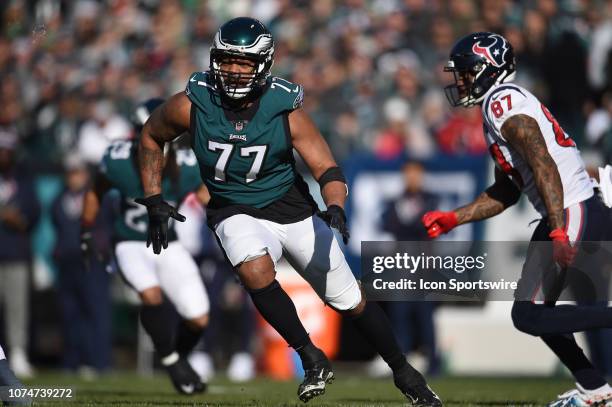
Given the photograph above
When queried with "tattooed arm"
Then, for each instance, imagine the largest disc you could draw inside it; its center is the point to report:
(502, 194)
(524, 134)
(166, 123)
(493, 201)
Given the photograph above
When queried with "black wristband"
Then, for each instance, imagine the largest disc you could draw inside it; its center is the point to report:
(331, 174)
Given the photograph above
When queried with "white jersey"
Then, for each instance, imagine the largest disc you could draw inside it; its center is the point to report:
(506, 100)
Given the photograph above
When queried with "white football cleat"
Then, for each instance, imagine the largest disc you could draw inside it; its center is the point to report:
(571, 398)
(580, 397)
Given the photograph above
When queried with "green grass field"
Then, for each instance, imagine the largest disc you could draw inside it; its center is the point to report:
(122, 389)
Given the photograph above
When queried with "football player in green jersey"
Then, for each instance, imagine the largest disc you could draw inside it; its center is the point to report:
(175, 274)
(244, 125)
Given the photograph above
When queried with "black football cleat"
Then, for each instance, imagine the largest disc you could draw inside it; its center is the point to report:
(315, 379)
(184, 378)
(416, 390)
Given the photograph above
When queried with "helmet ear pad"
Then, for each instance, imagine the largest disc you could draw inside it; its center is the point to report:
(489, 77)
(483, 82)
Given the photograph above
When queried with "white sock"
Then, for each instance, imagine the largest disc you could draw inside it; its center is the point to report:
(2, 355)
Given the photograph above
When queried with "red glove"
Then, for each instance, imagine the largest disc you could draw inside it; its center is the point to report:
(563, 252)
(438, 222)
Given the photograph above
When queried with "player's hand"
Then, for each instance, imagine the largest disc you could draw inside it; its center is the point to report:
(563, 252)
(438, 222)
(159, 212)
(335, 218)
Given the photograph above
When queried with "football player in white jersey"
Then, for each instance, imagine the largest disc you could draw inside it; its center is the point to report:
(535, 156)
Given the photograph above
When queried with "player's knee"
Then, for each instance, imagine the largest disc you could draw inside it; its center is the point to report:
(198, 323)
(151, 296)
(257, 273)
(355, 312)
(525, 317)
(351, 303)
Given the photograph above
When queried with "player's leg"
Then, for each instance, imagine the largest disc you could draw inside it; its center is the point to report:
(253, 249)
(572, 356)
(181, 282)
(314, 252)
(585, 221)
(555, 324)
(538, 319)
(138, 268)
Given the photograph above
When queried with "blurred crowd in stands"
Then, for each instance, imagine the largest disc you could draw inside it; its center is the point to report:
(72, 72)
(372, 69)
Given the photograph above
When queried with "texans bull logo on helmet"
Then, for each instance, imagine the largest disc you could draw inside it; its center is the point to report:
(493, 48)
(478, 62)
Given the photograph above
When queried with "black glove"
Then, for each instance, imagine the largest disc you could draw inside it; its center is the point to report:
(335, 218)
(159, 213)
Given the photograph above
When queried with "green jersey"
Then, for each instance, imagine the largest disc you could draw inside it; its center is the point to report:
(246, 157)
(120, 168)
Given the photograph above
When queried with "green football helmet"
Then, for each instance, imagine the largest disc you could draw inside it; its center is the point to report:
(241, 38)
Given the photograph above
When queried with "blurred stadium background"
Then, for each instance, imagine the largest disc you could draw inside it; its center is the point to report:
(72, 72)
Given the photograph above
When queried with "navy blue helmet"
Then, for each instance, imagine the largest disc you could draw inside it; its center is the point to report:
(478, 61)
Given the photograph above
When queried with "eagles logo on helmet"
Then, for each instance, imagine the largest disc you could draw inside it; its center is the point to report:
(242, 39)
